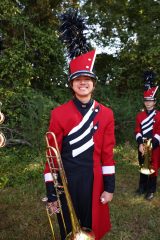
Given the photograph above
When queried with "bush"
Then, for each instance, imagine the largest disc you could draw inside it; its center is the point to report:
(27, 114)
(124, 107)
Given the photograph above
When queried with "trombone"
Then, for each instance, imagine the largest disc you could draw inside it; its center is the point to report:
(52, 154)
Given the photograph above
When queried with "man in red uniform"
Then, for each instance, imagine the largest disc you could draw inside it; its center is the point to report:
(148, 127)
(84, 130)
(85, 133)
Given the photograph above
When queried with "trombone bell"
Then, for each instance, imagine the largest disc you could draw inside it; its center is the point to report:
(2, 117)
(2, 140)
(146, 171)
(146, 167)
(84, 234)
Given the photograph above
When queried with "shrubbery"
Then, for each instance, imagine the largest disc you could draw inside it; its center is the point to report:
(27, 114)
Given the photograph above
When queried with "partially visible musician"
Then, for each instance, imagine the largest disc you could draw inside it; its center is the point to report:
(2, 136)
(148, 127)
(85, 133)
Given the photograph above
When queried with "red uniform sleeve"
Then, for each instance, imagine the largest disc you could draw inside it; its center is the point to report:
(138, 134)
(108, 163)
(137, 126)
(156, 136)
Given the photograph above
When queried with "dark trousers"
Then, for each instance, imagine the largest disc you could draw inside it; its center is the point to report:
(148, 183)
(80, 188)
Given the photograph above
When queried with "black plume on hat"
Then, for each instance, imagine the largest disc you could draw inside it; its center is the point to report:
(72, 33)
(149, 77)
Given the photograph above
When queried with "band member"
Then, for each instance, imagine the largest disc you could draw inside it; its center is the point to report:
(148, 127)
(85, 133)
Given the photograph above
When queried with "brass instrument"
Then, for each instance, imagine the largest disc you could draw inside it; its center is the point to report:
(146, 167)
(78, 232)
(2, 140)
(1, 117)
(2, 137)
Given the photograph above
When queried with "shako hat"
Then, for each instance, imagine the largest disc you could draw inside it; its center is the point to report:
(150, 87)
(72, 34)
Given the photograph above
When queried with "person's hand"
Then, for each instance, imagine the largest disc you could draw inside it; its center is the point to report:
(141, 148)
(53, 207)
(106, 197)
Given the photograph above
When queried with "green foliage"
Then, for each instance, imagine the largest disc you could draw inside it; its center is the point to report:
(3, 181)
(32, 64)
(8, 9)
(27, 114)
(125, 107)
(21, 165)
(131, 28)
(31, 53)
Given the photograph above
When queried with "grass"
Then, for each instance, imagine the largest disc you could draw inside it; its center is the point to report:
(23, 214)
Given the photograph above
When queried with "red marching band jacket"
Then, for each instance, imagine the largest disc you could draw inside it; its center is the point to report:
(140, 119)
(65, 119)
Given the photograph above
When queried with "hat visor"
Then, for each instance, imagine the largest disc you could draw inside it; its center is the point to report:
(149, 99)
(82, 73)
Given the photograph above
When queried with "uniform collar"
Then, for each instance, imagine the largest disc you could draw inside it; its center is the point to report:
(81, 105)
(150, 111)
